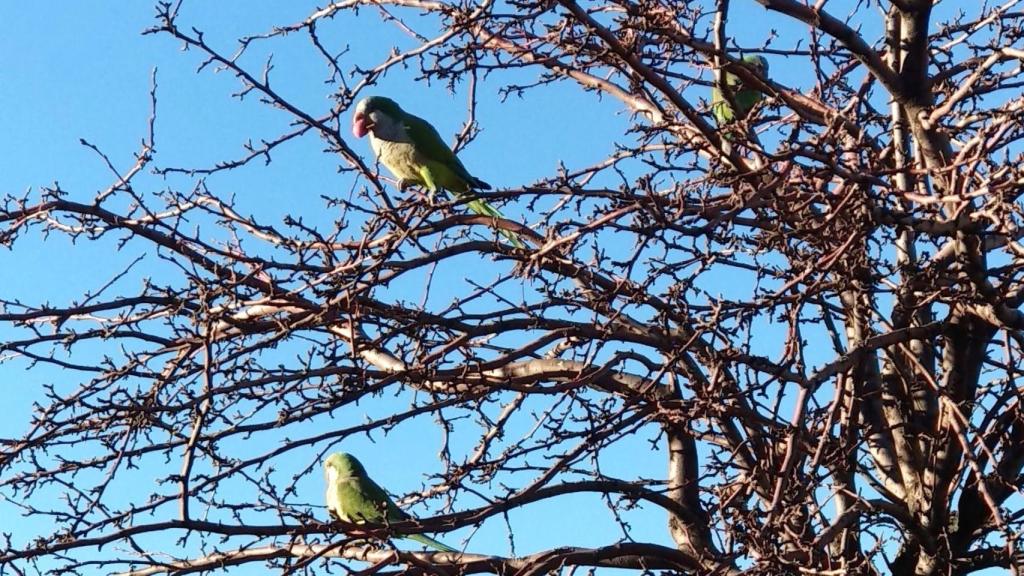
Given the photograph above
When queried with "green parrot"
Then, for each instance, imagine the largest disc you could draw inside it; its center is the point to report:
(353, 497)
(414, 152)
(744, 98)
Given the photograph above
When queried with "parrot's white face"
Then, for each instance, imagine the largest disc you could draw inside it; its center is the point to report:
(331, 475)
(341, 466)
(378, 123)
(387, 128)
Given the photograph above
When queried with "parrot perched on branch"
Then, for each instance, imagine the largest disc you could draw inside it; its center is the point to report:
(744, 98)
(353, 497)
(414, 152)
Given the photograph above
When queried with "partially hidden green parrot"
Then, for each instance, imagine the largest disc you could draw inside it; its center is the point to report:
(411, 149)
(353, 497)
(744, 98)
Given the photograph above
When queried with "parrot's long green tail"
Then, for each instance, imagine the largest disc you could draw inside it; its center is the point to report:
(428, 541)
(484, 209)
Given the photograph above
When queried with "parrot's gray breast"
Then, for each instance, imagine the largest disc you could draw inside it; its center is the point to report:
(395, 149)
(401, 158)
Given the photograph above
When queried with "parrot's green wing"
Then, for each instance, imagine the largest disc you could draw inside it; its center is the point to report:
(444, 170)
(744, 98)
(363, 500)
(430, 144)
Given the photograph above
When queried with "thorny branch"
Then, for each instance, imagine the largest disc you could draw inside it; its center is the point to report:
(815, 324)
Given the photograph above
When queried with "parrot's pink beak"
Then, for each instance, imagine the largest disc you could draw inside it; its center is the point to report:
(359, 125)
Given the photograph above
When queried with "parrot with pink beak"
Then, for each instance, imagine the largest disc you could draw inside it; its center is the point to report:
(411, 149)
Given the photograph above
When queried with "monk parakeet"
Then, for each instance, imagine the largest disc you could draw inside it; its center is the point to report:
(744, 98)
(353, 497)
(414, 152)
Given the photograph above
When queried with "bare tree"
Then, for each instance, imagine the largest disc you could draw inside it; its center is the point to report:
(817, 317)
